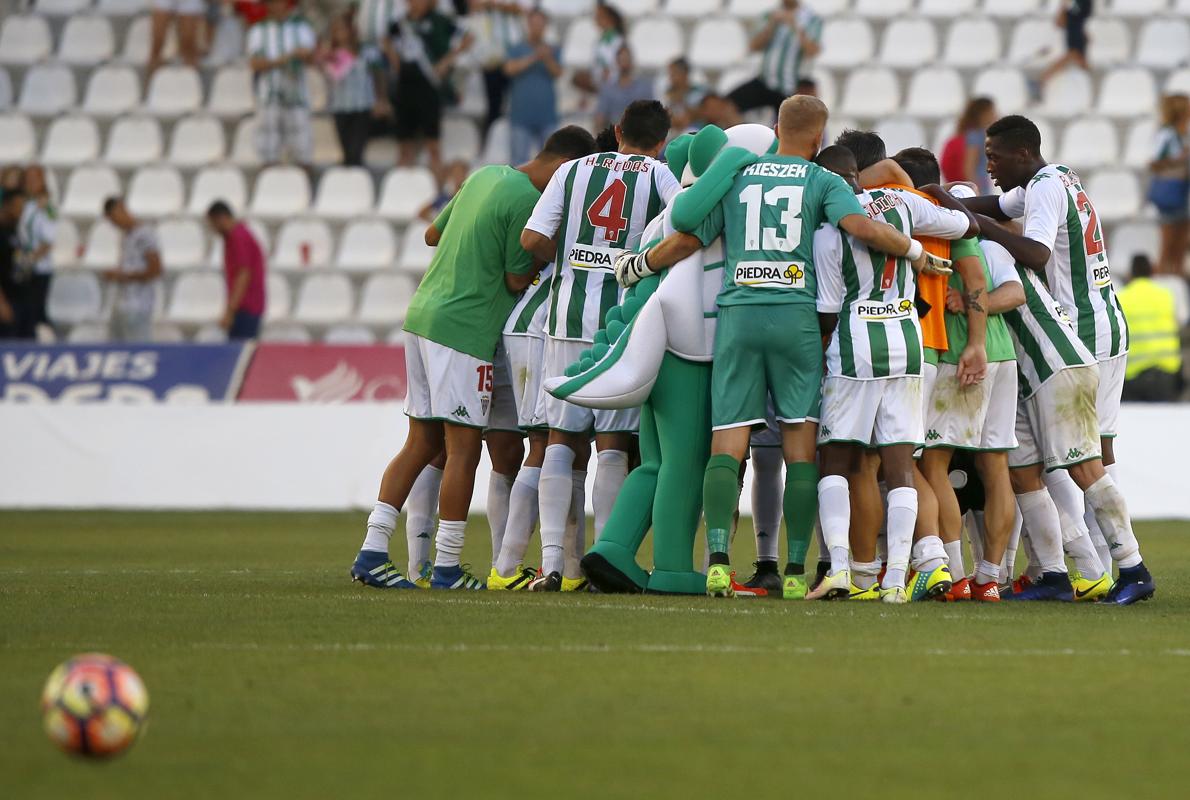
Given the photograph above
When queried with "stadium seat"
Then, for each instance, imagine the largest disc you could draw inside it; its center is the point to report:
(48, 90)
(882, 9)
(5, 90)
(1110, 42)
(25, 39)
(935, 92)
(870, 92)
(243, 148)
(173, 91)
(324, 299)
(1136, 8)
(224, 183)
(1138, 147)
(692, 9)
(1089, 143)
(1006, 86)
(1163, 43)
(136, 42)
(278, 298)
(75, 296)
(1034, 41)
(349, 334)
(639, 8)
(112, 91)
(326, 141)
(302, 244)
(214, 259)
(344, 192)
(280, 191)
(89, 333)
(1067, 94)
(1014, 9)
(827, 91)
(415, 253)
(132, 141)
(121, 8)
(496, 147)
(156, 191)
(846, 43)
(717, 43)
(171, 334)
(86, 41)
(901, 132)
(17, 139)
(198, 297)
(655, 41)
(1116, 194)
(183, 243)
(578, 46)
(972, 43)
(1178, 81)
(750, 9)
(1128, 92)
(947, 9)
(61, 8)
(70, 140)
(231, 92)
(732, 77)
(86, 189)
(317, 90)
(384, 300)
(67, 247)
(908, 43)
(102, 250)
(404, 193)
(1129, 238)
(367, 245)
(197, 140)
(567, 9)
(289, 333)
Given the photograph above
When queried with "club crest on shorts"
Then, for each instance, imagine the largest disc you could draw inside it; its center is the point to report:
(484, 402)
(770, 275)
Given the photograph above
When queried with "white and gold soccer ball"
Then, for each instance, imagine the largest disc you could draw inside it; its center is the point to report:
(94, 705)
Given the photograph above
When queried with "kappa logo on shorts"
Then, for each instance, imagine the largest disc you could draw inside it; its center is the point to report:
(826, 431)
(879, 312)
(770, 275)
(1073, 453)
(461, 412)
(933, 436)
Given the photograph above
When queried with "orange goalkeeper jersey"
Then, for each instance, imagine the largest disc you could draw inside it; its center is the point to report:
(930, 288)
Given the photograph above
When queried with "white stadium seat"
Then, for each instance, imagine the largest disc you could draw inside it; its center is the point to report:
(404, 193)
(317, 90)
(732, 77)
(48, 90)
(384, 299)
(224, 183)
(1014, 9)
(136, 42)
(1110, 42)
(901, 132)
(171, 334)
(1163, 43)
(132, 141)
(578, 47)
(174, 91)
(846, 43)
(972, 43)
(122, 8)
(747, 9)
(278, 298)
(326, 141)
(1117, 194)
(75, 296)
(496, 147)
(655, 41)
(231, 92)
(5, 90)
(156, 191)
(280, 191)
(367, 245)
(824, 8)
(1128, 92)
(827, 91)
(871, 92)
(1178, 81)
(349, 334)
(243, 148)
(908, 43)
(1034, 41)
(1138, 147)
(87, 188)
(289, 333)
(25, 39)
(67, 247)
(1067, 94)
(1006, 86)
(415, 253)
(198, 297)
(102, 250)
(1089, 143)
(1129, 238)
(1136, 8)
(639, 8)
(259, 232)
(324, 298)
(17, 140)
(183, 243)
(112, 91)
(344, 192)
(86, 41)
(717, 43)
(196, 141)
(947, 9)
(303, 243)
(935, 92)
(89, 333)
(61, 8)
(882, 9)
(566, 9)
(692, 9)
(70, 140)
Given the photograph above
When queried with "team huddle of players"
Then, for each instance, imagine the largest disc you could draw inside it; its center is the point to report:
(871, 325)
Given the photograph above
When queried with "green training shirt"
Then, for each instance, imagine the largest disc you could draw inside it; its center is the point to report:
(998, 342)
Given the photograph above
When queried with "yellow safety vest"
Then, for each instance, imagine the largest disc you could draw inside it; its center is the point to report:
(1152, 328)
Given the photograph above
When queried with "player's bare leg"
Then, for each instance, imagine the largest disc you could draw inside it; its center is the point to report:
(867, 507)
(464, 446)
(721, 495)
(999, 518)
(935, 465)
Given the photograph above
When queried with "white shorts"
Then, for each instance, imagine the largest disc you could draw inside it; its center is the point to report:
(525, 366)
(770, 434)
(503, 416)
(979, 417)
(563, 416)
(1111, 386)
(186, 8)
(875, 413)
(1057, 427)
(447, 385)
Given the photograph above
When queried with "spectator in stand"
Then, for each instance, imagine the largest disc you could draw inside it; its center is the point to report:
(12, 288)
(1072, 17)
(374, 19)
(1154, 371)
(188, 18)
(279, 47)
(682, 96)
(963, 156)
(138, 277)
(354, 72)
(11, 179)
(617, 95)
(715, 109)
(35, 238)
(424, 52)
(1169, 186)
(610, 23)
(533, 65)
(789, 38)
(499, 26)
(243, 270)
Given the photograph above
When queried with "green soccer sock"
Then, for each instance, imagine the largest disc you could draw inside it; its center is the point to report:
(801, 510)
(720, 496)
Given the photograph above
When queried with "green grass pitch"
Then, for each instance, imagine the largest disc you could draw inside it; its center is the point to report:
(271, 676)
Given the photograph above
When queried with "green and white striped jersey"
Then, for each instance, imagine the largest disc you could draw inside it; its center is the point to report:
(1043, 333)
(595, 207)
(284, 85)
(528, 315)
(374, 18)
(784, 60)
(1059, 215)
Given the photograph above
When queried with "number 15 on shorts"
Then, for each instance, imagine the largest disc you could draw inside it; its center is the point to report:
(484, 371)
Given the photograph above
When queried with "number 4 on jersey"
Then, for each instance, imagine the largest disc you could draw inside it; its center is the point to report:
(607, 212)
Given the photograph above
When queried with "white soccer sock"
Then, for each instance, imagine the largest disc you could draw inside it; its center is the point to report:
(954, 558)
(449, 542)
(499, 496)
(522, 516)
(1008, 564)
(901, 519)
(834, 514)
(928, 554)
(1045, 529)
(576, 527)
(1100, 541)
(1033, 569)
(610, 471)
(1076, 537)
(863, 574)
(824, 555)
(1111, 511)
(768, 491)
(554, 491)
(381, 523)
(1082, 551)
(987, 572)
(420, 508)
(975, 534)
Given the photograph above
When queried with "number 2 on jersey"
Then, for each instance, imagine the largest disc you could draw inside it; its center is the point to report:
(1092, 238)
(607, 212)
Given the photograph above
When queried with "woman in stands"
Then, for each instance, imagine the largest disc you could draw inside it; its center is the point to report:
(1169, 188)
(963, 157)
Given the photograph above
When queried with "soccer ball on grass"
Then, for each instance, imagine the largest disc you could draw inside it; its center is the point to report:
(94, 705)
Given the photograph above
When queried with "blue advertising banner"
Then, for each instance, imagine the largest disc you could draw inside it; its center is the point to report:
(121, 373)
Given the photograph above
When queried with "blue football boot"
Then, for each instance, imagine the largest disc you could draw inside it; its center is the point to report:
(1050, 586)
(458, 577)
(1133, 585)
(372, 568)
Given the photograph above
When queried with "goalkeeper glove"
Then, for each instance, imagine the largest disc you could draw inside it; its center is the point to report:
(631, 268)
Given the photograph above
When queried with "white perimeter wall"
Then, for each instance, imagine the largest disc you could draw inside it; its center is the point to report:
(303, 457)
